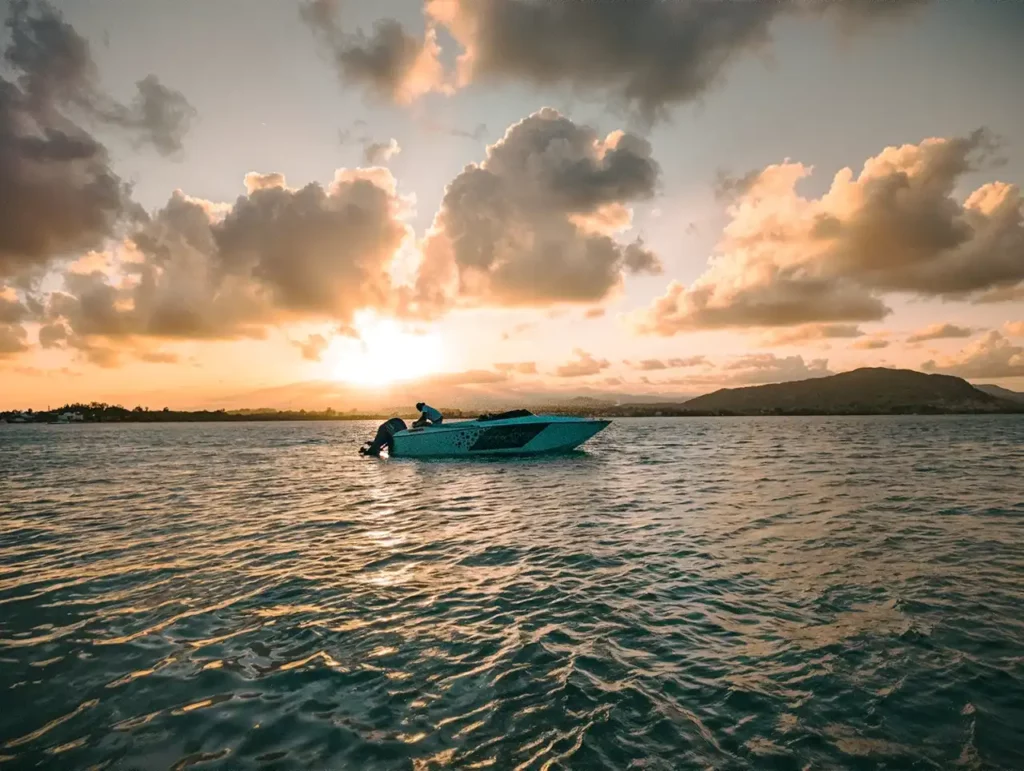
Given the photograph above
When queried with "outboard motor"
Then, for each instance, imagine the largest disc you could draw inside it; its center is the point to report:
(383, 438)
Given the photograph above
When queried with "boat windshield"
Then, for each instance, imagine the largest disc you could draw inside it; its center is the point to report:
(505, 415)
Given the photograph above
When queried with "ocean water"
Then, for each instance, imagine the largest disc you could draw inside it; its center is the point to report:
(778, 593)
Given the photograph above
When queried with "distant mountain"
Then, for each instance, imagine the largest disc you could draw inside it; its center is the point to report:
(475, 390)
(1001, 393)
(871, 390)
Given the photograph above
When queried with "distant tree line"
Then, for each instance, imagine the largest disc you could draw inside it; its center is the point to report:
(100, 412)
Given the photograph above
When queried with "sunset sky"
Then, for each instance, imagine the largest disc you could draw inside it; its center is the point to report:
(235, 203)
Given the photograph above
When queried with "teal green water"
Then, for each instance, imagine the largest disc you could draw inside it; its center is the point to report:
(696, 593)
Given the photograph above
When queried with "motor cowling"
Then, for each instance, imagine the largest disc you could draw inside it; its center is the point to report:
(384, 436)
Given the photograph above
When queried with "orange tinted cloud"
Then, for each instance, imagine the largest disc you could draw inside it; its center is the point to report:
(939, 332)
(787, 260)
(991, 356)
(276, 254)
(582, 365)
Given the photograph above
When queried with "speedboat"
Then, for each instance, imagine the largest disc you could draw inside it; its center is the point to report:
(518, 432)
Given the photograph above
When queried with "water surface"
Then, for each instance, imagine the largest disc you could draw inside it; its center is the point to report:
(687, 593)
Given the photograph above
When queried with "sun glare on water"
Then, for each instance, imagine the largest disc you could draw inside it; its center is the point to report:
(384, 353)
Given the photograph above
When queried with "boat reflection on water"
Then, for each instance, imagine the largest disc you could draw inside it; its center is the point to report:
(518, 432)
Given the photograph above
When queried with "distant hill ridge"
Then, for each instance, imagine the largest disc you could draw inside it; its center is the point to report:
(1001, 393)
(866, 390)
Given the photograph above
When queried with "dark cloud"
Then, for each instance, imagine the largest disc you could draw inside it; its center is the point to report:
(584, 364)
(389, 61)
(896, 227)
(642, 55)
(53, 335)
(645, 54)
(312, 347)
(939, 332)
(206, 272)
(57, 71)
(160, 115)
(522, 367)
(533, 223)
(992, 356)
(59, 195)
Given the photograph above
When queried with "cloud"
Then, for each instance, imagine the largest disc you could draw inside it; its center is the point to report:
(312, 347)
(157, 357)
(810, 332)
(939, 332)
(785, 298)
(12, 340)
(200, 271)
(434, 126)
(871, 344)
(51, 372)
(390, 62)
(53, 335)
(1014, 328)
(379, 153)
(648, 365)
(516, 229)
(469, 377)
(1006, 294)
(786, 260)
(518, 330)
(760, 368)
(255, 181)
(594, 313)
(990, 356)
(60, 195)
(160, 115)
(522, 367)
(12, 311)
(728, 188)
(584, 364)
(348, 135)
(644, 55)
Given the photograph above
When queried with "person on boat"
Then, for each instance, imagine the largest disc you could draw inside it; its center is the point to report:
(428, 416)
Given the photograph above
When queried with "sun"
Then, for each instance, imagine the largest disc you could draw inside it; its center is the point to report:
(384, 353)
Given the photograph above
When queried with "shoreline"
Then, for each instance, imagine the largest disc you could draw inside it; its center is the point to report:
(610, 414)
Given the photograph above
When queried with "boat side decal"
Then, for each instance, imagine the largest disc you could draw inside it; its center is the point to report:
(507, 437)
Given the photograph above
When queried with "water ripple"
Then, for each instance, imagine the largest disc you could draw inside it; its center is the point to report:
(730, 593)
